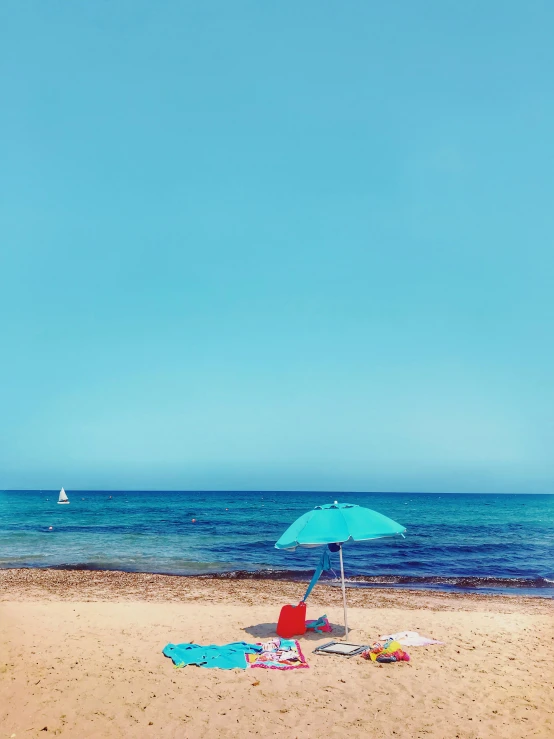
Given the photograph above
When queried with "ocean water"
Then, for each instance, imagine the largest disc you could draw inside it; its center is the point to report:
(492, 543)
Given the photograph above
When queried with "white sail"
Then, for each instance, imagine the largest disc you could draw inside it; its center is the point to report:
(63, 497)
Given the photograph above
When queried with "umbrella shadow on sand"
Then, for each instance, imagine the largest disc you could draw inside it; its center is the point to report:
(268, 631)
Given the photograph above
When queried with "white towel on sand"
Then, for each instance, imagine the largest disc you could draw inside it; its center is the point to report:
(411, 639)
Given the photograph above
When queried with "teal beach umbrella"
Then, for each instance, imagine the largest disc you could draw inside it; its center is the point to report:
(338, 523)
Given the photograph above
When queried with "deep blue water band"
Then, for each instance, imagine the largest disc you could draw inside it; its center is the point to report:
(486, 542)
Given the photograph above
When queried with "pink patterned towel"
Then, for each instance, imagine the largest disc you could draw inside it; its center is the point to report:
(278, 654)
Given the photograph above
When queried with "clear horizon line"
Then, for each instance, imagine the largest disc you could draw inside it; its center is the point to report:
(254, 491)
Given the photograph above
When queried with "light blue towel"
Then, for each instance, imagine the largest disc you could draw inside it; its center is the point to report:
(225, 657)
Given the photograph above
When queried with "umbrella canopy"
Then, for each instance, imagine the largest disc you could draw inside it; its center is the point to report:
(337, 523)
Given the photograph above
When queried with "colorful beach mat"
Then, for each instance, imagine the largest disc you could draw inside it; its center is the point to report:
(278, 654)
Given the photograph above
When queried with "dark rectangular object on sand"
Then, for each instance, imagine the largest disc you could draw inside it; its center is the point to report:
(343, 649)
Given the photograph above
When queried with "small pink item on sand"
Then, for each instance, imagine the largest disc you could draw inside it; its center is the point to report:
(320, 625)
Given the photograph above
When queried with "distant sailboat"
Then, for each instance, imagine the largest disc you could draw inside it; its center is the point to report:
(63, 497)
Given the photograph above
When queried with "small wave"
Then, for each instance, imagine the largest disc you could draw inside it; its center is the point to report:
(458, 582)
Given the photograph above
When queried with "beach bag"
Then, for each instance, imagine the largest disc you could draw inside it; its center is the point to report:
(319, 625)
(292, 621)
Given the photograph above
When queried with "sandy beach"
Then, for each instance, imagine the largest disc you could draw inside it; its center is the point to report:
(81, 656)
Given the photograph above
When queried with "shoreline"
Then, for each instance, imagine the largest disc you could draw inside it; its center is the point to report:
(28, 584)
(484, 586)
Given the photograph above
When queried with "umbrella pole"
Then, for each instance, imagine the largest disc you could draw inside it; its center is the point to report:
(343, 593)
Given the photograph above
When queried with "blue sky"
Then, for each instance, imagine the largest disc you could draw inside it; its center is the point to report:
(277, 245)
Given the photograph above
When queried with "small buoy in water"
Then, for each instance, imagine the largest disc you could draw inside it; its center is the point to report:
(50, 528)
(226, 509)
(193, 520)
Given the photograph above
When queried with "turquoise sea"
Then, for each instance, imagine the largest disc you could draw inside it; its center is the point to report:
(492, 543)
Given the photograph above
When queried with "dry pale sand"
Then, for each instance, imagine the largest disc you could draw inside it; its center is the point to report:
(80, 656)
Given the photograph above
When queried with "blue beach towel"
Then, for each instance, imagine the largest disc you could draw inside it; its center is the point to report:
(225, 657)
